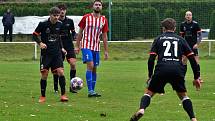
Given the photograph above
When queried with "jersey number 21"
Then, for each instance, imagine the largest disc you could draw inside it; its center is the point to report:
(168, 45)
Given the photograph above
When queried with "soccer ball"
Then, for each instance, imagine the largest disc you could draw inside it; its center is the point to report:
(76, 83)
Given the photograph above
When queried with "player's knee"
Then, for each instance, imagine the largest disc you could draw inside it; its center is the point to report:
(90, 66)
(44, 74)
(72, 65)
(60, 71)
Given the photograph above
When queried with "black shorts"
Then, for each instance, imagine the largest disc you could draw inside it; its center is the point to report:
(196, 52)
(70, 54)
(53, 62)
(164, 75)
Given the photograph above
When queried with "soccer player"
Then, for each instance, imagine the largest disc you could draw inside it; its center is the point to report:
(92, 25)
(67, 37)
(169, 48)
(191, 32)
(51, 51)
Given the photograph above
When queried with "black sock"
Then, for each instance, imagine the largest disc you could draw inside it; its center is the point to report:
(55, 78)
(72, 74)
(145, 101)
(185, 69)
(62, 82)
(43, 84)
(187, 105)
(198, 68)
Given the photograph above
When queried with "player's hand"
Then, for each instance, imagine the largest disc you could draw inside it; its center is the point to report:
(106, 55)
(64, 51)
(42, 45)
(77, 50)
(197, 84)
(195, 46)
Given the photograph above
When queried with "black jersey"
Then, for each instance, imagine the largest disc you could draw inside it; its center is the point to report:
(170, 47)
(50, 35)
(189, 32)
(66, 36)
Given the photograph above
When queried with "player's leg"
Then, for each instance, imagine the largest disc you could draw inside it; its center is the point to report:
(55, 79)
(72, 63)
(5, 33)
(144, 103)
(187, 105)
(96, 59)
(43, 84)
(57, 67)
(87, 58)
(10, 32)
(196, 55)
(71, 59)
(44, 70)
(62, 82)
(156, 85)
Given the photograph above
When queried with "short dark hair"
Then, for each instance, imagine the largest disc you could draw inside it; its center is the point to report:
(54, 10)
(62, 7)
(168, 23)
(97, 1)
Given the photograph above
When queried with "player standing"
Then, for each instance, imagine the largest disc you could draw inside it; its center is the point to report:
(92, 25)
(169, 48)
(191, 32)
(51, 51)
(67, 37)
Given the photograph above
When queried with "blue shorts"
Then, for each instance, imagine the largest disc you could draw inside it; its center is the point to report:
(90, 55)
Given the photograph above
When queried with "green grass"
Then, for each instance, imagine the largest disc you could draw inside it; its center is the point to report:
(121, 84)
(117, 51)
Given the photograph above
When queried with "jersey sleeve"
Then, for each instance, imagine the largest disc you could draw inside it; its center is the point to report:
(182, 30)
(72, 27)
(105, 28)
(153, 50)
(82, 23)
(38, 30)
(198, 29)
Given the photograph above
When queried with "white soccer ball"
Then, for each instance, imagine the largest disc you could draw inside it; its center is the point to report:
(76, 83)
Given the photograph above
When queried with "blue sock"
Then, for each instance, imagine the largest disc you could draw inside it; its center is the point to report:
(89, 80)
(94, 81)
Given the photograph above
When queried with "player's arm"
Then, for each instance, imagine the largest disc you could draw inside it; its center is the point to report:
(151, 63)
(36, 37)
(105, 42)
(151, 60)
(78, 40)
(199, 34)
(72, 29)
(105, 38)
(182, 33)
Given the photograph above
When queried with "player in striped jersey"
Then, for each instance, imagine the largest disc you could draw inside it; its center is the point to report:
(92, 25)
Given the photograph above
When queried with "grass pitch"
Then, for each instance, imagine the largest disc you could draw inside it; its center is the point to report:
(121, 84)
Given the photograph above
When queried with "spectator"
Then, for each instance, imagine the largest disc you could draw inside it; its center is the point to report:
(8, 21)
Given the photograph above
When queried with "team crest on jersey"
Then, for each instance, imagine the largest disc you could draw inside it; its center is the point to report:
(67, 25)
(184, 28)
(47, 30)
(57, 29)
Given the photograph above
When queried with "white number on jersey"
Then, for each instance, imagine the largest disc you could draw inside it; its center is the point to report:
(168, 45)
